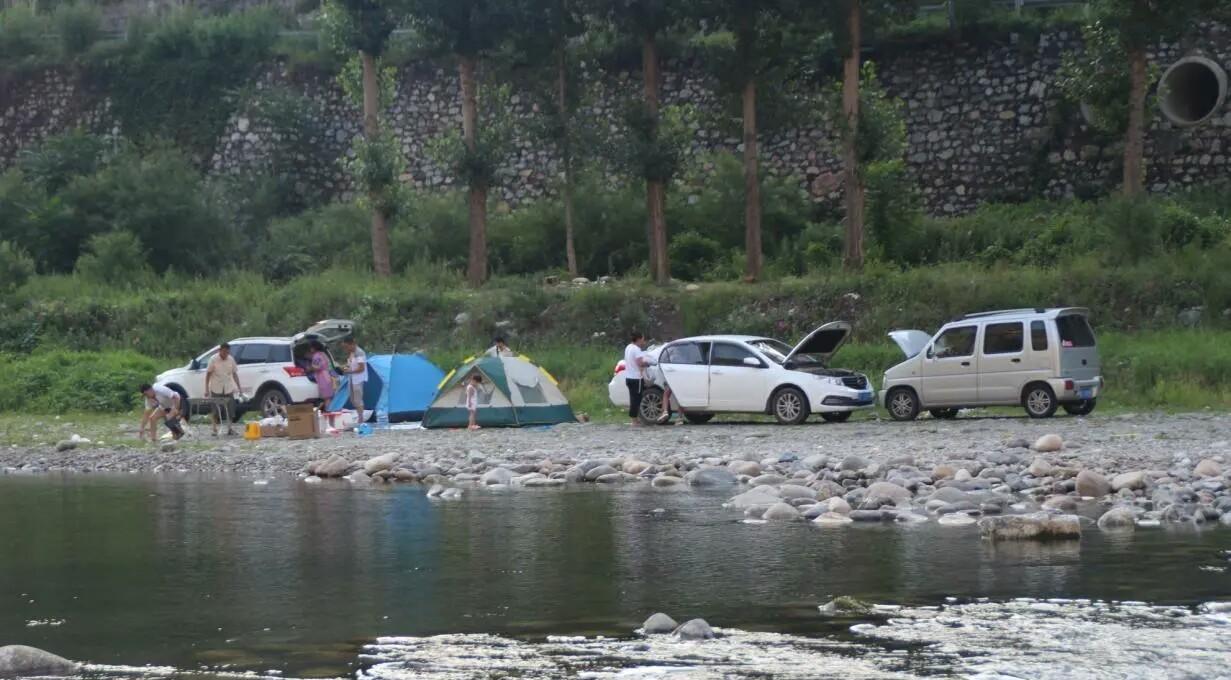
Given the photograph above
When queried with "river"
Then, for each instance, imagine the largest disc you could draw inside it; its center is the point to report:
(225, 574)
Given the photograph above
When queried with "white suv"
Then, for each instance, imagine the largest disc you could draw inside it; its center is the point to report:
(748, 374)
(267, 368)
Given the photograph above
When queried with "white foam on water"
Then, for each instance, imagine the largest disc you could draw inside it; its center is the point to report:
(734, 654)
(1066, 641)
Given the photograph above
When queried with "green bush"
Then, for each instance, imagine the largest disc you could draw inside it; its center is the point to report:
(78, 26)
(114, 259)
(337, 234)
(59, 381)
(21, 33)
(692, 255)
(16, 268)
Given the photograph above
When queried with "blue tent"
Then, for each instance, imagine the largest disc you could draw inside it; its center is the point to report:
(401, 384)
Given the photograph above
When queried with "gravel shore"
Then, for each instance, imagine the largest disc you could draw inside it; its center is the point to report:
(1154, 466)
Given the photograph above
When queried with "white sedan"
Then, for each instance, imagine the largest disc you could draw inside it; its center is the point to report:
(748, 374)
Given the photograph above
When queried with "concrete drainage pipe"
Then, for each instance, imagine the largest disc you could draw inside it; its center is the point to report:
(1192, 90)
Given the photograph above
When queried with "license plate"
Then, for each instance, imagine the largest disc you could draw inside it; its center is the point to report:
(1086, 393)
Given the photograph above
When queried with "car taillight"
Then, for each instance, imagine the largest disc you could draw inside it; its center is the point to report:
(619, 368)
(294, 371)
(1068, 385)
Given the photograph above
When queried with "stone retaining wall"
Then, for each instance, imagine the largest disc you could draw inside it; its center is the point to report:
(985, 123)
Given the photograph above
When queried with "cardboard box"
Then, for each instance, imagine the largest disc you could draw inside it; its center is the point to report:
(268, 431)
(302, 422)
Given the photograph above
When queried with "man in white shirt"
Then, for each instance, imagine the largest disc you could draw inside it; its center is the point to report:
(357, 370)
(635, 362)
(222, 382)
(165, 401)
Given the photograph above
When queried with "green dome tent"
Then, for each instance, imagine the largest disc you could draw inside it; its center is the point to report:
(514, 393)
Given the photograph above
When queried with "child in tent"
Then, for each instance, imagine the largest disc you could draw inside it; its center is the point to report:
(472, 400)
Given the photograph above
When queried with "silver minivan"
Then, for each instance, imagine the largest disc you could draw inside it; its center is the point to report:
(1041, 359)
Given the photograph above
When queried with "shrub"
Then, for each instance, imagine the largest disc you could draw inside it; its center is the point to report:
(59, 381)
(21, 33)
(16, 267)
(78, 26)
(692, 255)
(115, 259)
(316, 240)
(56, 160)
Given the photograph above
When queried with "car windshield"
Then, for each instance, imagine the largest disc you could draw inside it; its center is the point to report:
(778, 351)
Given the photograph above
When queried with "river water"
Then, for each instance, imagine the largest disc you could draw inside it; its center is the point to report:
(167, 575)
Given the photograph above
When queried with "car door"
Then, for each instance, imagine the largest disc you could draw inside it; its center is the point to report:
(738, 379)
(193, 380)
(685, 367)
(252, 360)
(1002, 369)
(951, 369)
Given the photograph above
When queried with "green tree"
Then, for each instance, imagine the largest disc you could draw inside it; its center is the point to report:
(364, 26)
(470, 30)
(647, 20)
(752, 44)
(1124, 31)
(547, 34)
(849, 21)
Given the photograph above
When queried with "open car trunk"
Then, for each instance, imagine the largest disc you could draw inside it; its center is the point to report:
(328, 332)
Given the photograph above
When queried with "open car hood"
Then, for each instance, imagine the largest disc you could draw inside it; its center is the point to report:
(822, 342)
(329, 330)
(911, 342)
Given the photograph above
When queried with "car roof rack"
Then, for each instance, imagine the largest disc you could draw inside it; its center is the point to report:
(1004, 312)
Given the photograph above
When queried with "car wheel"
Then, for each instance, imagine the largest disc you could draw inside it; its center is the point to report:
(272, 401)
(1040, 401)
(790, 406)
(836, 416)
(903, 404)
(1080, 408)
(651, 406)
(698, 418)
(944, 413)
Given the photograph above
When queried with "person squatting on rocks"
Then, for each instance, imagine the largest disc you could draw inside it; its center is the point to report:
(635, 361)
(222, 382)
(160, 398)
(472, 400)
(357, 369)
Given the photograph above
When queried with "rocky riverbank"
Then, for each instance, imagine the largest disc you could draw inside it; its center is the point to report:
(1139, 469)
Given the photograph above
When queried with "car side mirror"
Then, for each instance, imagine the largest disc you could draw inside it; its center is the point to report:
(752, 361)
(194, 365)
(931, 351)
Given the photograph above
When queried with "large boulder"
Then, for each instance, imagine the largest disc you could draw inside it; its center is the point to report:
(379, 463)
(1090, 483)
(893, 492)
(696, 629)
(837, 505)
(22, 661)
(1118, 518)
(1048, 443)
(793, 491)
(1040, 468)
(768, 480)
(334, 466)
(710, 476)
(745, 467)
(781, 511)
(854, 463)
(1208, 468)
(496, 476)
(662, 481)
(599, 471)
(659, 624)
(1036, 526)
(757, 496)
(1129, 480)
(636, 467)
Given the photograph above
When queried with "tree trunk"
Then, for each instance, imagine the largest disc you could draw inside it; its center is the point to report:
(476, 270)
(852, 174)
(752, 186)
(655, 189)
(371, 129)
(566, 155)
(1134, 137)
